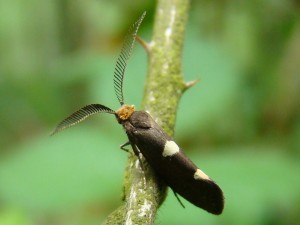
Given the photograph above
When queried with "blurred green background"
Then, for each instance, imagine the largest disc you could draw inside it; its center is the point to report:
(240, 123)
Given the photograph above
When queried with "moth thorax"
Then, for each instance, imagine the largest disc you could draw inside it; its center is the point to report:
(125, 112)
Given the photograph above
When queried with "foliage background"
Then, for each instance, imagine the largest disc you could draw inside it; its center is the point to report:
(240, 123)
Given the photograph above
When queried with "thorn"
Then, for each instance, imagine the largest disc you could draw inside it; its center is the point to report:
(143, 43)
(190, 84)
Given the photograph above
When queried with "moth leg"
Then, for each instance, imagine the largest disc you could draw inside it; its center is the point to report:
(135, 150)
(137, 153)
(124, 145)
(180, 202)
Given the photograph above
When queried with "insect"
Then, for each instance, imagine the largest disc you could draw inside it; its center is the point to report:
(148, 138)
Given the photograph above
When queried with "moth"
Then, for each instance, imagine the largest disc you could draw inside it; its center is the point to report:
(148, 138)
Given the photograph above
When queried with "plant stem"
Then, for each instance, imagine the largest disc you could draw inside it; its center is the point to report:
(143, 191)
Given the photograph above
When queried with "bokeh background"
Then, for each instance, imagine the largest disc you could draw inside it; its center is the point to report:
(240, 123)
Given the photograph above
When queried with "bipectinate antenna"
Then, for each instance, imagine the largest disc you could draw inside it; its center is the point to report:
(121, 64)
(81, 115)
(124, 57)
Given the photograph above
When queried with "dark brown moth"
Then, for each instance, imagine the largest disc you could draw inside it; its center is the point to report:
(148, 138)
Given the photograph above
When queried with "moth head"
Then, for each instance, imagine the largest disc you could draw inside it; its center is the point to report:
(124, 113)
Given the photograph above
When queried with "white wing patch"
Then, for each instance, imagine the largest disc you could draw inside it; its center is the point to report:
(170, 149)
(200, 175)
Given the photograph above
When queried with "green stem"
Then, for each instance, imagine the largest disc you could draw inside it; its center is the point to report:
(143, 191)
(164, 84)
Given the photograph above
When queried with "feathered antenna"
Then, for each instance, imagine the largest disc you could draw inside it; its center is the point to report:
(81, 115)
(123, 58)
(89, 110)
